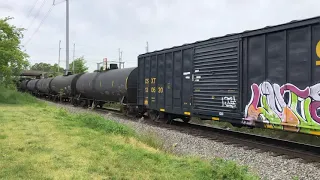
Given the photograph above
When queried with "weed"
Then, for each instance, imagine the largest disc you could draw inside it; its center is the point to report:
(295, 178)
(223, 169)
(150, 138)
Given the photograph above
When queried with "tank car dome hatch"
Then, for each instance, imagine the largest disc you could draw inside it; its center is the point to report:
(113, 66)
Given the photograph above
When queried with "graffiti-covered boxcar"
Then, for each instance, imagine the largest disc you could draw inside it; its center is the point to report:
(265, 77)
(280, 76)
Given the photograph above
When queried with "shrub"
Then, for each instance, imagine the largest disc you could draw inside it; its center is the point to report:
(223, 169)
(12, 96)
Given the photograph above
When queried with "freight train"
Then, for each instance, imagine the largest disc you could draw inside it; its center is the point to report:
(268, 77)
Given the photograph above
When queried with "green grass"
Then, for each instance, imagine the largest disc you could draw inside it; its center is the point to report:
(38, 141)
(13, 97)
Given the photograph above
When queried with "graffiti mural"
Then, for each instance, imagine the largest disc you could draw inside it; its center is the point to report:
(287, 106)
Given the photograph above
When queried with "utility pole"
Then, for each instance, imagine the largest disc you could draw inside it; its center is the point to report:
(120, 58)
(59, 56)
(121, 63)
(147, 47)
(67, 36)
(74, 49)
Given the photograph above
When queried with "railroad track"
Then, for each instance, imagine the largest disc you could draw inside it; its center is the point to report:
(279, 147)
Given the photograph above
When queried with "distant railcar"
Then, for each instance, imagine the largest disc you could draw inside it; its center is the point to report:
(84, 85)
(23, 85)
(117, 85)
(32, 86)
(64, 86)
(43, 86)
(112, 86)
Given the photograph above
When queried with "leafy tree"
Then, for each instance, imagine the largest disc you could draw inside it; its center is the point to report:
(12, 58)
(45, 67)
(50, 69)
(54, 70)
(79, 65)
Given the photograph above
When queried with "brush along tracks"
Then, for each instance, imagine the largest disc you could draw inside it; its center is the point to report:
(279, 147)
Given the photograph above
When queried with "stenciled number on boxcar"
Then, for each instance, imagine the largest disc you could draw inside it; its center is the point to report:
(146, 81)
(153, 89)
(153, 80)
(160, 89)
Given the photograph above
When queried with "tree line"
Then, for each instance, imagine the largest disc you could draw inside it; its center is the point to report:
(55, 70)
(13, 60)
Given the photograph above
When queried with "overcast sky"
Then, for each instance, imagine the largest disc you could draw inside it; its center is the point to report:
(100, 27)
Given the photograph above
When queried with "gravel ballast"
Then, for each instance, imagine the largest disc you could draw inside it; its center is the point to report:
(262, 163)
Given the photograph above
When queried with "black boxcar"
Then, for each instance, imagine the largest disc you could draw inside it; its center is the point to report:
(261, 77)
(163, 83)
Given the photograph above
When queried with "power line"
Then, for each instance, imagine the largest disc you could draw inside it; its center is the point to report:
(34, 5)
(56, 3)
(43, 2)
(29, 13)
(45, 17)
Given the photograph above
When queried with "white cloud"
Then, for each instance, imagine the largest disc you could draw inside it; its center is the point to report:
(100, 27)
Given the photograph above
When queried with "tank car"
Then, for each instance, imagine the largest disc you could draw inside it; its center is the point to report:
(112, 86)
(23, 85)
(64, 87)
(119, 85)
(84, 89)
(32, 86)
(43, 87)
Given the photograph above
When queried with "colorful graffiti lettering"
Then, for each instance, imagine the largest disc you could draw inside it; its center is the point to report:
(287, 106)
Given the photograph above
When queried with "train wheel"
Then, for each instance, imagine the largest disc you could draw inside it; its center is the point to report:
(74, 102)
(125, 111)
(237, 125)
(101, 105)
(169, 118)
(186, 119)
(154, 115)
(93, 104)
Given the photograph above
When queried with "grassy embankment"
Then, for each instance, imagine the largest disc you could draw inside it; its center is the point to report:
(38, 141)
